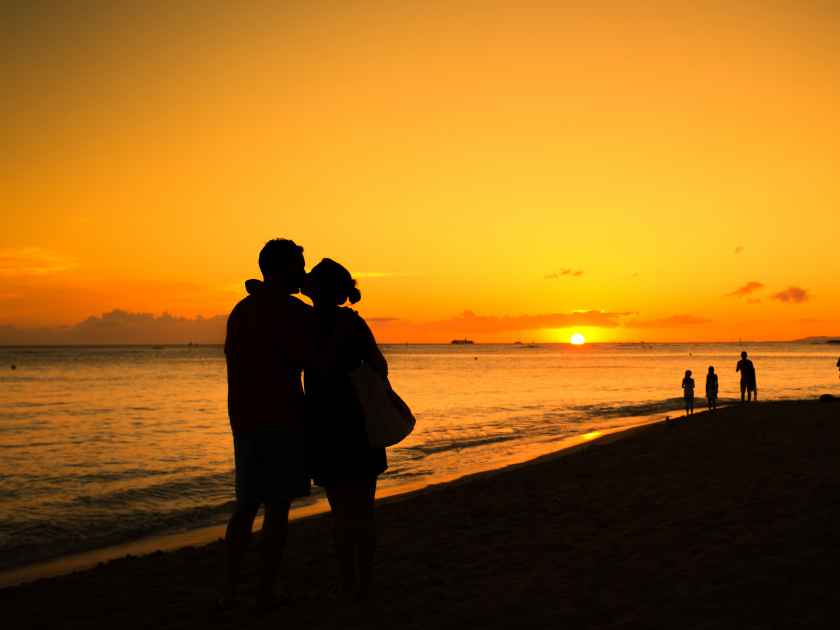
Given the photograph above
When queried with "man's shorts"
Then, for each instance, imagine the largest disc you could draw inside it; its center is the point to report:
(270, 466)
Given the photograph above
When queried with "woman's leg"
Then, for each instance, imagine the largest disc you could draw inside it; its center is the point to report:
(344, 549)
(366, 536)
(355, 533)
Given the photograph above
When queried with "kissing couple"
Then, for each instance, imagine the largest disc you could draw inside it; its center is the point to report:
(283, 437)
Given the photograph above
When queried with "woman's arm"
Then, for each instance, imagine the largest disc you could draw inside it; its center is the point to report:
(370, 350)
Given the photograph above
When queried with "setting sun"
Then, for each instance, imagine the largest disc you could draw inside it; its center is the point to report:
(577, 339)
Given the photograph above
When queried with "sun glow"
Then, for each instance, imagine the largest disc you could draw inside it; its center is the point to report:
(577, 339)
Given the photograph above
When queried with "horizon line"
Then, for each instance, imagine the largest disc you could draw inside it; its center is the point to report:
(822, 339)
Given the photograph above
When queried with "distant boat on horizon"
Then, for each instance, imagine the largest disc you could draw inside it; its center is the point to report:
(462, 342)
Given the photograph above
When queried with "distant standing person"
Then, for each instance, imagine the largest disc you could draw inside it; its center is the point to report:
(688, 393)
(748, 382)
(711, 389)
(838, 368)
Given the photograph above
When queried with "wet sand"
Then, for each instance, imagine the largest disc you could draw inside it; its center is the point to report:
(725, 520)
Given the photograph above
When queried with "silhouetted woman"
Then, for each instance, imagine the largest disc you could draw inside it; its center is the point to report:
(340, 459)
(688, 392)
(711, 388)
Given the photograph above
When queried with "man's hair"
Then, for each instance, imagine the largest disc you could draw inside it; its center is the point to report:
(278, 256)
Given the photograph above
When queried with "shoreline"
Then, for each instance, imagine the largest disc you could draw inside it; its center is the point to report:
(202, 536)
(718, 520)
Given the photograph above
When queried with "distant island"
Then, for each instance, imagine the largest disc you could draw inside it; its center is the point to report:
(462, 342)
(823, 339)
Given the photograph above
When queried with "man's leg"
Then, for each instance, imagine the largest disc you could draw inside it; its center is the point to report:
(274, 532)
(743, 390)
(237, 537)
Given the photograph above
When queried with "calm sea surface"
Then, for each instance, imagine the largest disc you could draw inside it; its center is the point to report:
(100, 446)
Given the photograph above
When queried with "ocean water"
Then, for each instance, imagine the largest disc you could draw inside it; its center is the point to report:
(107, 445)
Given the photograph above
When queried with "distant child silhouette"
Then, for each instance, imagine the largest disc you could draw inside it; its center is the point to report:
(711, 388)
(688, 393)
(749, 389)
(339, 456)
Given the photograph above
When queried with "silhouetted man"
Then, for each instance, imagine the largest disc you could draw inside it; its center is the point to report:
(748, 382)
(265, 348)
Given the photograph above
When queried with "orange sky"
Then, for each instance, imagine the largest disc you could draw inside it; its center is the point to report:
(523, 165)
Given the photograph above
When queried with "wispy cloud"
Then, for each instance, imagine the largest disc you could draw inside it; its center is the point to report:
(361, 275)
(792, 295)
(33, 261)
(575, 273)
(381, 320)
(747, 289)
(673, 321)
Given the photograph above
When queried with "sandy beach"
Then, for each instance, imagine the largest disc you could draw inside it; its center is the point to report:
(720, 520)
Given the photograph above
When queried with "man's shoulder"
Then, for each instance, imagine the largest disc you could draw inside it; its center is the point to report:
(242, 306)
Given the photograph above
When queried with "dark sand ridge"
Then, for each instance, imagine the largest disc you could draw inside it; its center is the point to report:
(723, 520)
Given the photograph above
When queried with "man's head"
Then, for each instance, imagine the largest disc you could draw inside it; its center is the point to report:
(282, 264)
(743, 355)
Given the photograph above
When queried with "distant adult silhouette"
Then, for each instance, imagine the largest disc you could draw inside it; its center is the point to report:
(838, 368)
(688, 392)
(749, 389)
(711, 388)
(267, 345)
(341, 460)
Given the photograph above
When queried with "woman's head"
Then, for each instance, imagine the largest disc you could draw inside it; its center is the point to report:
(330, 283)
(688, 373)
(711, 369)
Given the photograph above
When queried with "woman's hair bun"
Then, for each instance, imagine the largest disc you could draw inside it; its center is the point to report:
(354, 295)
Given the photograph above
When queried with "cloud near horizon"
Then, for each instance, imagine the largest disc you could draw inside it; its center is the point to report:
(747, 289)
(122, 327)
(792, 295)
